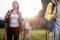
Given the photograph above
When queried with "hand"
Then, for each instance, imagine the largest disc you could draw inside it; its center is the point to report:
(54, 16)
(6, 16)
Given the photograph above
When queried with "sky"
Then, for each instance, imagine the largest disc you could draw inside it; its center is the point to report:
(29, 8)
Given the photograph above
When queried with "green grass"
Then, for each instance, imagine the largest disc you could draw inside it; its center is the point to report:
(35, 35)
(38, 35)
(1, 34)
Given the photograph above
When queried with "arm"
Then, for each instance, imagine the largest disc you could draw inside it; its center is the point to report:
(21, 20)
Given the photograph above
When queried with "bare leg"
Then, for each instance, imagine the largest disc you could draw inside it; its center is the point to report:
(28, 34)
(24, 35)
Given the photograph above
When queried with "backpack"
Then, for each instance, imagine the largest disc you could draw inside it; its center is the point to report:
(51, 23)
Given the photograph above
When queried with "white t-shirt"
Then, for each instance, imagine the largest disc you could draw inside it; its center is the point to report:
(26, 25)
(14, 20)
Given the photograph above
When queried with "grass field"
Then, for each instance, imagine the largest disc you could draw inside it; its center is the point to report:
(35, 35)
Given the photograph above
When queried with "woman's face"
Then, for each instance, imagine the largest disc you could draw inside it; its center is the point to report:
(14, 5)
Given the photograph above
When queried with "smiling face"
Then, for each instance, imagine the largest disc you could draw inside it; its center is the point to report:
(14, 5)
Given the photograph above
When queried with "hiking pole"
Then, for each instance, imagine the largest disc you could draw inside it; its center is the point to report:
(5, 32)
(46, 33)
(54, 32)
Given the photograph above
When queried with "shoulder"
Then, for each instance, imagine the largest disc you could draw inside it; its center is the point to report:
(50, 3)
(49, 6)
(9, 11)
(20, 13)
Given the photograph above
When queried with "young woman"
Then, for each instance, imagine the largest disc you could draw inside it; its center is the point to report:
(13, 19)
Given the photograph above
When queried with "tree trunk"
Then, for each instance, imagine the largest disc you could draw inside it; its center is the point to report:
(44, 5)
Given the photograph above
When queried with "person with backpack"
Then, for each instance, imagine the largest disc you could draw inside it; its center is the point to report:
(50, 15)
(13, 19)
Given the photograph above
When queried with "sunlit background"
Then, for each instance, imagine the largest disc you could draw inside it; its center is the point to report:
(29, 8)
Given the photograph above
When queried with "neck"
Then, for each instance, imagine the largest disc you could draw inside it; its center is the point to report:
(15, 9)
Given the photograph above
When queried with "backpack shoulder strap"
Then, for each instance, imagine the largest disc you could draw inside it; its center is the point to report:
(9, 12)
(53, 5)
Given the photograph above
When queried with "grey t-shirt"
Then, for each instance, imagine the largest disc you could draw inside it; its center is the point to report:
(14, 20)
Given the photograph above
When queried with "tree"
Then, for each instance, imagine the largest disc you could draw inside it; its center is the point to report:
(44, 5)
